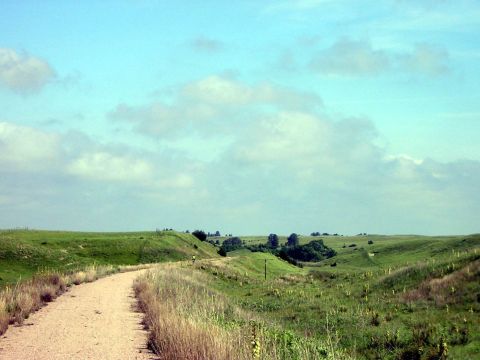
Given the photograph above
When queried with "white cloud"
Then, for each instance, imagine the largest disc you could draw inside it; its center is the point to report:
(346, 57)
(23, 73)
(358, 58)
(286, 137)
(214, 102)
(306, 144)
(207, 45)
(105, 166)
(218, 90)
(426, 59)
(25, 148)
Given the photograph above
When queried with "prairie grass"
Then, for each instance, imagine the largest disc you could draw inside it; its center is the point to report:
(448, 289)
(187, 319)
(78, 277)
(4, 316)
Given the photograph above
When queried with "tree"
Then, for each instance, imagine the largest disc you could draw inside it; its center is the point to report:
(272, 241)
(232, 244)
(292, 240)
(200, 235)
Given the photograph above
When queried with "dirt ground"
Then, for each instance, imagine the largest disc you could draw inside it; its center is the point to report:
(91, 321)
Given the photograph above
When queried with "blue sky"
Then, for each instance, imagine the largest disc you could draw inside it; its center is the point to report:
(250, 118)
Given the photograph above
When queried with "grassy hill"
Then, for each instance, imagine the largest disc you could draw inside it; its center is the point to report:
(24, 252)
(399, 297)
(388, 297)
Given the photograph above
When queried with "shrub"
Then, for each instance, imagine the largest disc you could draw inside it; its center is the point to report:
(200, 235)
(313, 251)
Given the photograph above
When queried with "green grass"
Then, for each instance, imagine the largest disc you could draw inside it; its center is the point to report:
(362, 304)
(401, 297)
(25, 252)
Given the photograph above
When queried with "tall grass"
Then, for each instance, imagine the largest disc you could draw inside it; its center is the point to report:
(188, 320)
(449, 289)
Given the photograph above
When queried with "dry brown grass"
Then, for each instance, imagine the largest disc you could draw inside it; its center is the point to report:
(4, 316)
(78, 278)
(184, 318)
(448, 289)
(189, 320)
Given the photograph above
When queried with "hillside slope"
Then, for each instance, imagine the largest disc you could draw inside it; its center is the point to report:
(24, 252)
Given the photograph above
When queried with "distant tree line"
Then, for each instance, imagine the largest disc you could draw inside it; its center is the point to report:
(317, 233)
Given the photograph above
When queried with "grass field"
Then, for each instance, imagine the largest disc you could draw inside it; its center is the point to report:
(401, 297)
(380, 297)
(25, 252)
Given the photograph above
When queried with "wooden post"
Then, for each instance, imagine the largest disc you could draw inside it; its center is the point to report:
(265, 269)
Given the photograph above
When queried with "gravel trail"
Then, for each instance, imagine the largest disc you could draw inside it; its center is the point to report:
(91, 321)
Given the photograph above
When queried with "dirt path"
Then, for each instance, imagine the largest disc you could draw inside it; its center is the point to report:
(92, 321)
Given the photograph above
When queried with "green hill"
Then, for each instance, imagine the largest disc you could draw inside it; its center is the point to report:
(24, 252)
(405, 297)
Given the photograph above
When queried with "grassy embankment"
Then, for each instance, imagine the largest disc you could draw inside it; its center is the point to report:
(38, 266)
(25, 253)
(402, 297)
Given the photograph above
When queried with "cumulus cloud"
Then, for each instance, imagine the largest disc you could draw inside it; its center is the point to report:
(304, 141)
(214, 101)
(426, 59)
(110, 167)
(206, 45)
(359, 58)
(346, 57)
(27, 149)
(23, 73)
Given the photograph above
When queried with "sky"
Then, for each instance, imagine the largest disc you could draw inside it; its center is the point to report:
(247, 117)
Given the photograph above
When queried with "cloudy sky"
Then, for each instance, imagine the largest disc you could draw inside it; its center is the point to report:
(247, 117)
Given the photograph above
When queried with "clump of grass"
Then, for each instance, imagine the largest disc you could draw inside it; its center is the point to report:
(78, 277)
(4, 316)
(91, 274)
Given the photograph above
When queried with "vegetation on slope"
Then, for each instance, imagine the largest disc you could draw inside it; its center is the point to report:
(25, 252)
(403, 297)
(188, 319)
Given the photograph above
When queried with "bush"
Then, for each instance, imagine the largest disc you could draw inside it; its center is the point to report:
(313, 251)
(200, 235)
